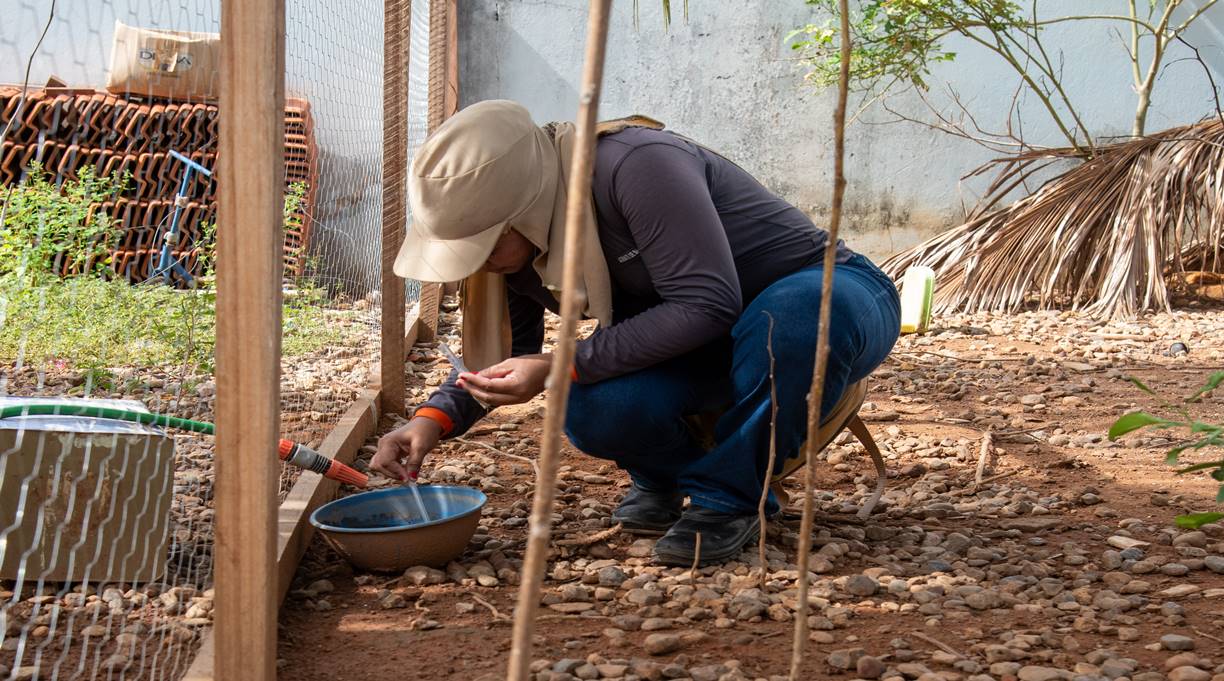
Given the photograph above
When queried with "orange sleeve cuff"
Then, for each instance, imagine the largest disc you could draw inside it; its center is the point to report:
(573, 373)
(438, 416)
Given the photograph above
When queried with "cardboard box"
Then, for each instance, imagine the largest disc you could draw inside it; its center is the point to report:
(83, 499)
(179, 65)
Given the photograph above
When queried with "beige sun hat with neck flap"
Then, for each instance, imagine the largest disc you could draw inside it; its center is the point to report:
(487, 168)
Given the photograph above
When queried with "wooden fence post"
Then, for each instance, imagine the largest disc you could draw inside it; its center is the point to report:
(443, 75)
(249, 277)
(397, 22)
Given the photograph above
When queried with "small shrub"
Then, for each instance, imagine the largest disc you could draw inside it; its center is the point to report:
(93, 319)
(48, 229)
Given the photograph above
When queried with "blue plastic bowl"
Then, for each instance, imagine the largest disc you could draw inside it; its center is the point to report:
(384, 530)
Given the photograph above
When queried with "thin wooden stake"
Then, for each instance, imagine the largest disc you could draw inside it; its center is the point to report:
(983, 457)
(397, 20)
(497, 614)
(500, 452)
(773, 451)
(937, 643)
(251, 175)
(578, 201)
(822, 346)
(696, 560)
(602, 535)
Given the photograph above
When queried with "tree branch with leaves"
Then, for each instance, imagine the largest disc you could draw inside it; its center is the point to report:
(897, 43)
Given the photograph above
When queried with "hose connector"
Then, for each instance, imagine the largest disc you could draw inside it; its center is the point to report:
(304, 457)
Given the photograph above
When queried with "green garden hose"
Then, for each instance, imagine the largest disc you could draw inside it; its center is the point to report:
(108, 413)
(292, 452)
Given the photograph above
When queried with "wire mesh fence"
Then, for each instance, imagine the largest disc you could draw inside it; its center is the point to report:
(108, 142)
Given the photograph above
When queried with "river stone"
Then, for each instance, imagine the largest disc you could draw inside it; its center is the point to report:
(862, 585)
(656, 624)
(869, 667)
(612, 576)
(1030, 524)
(1176, 642)
(1035, 673)
(662, 644)
(1122, 543)
(1188, 673)
(1179, 591)
(420, 575)
(1195, 538)
(846, 658)
(571, 608)
(709, 672)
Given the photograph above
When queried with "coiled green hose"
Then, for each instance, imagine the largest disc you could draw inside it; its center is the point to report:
(108, 413)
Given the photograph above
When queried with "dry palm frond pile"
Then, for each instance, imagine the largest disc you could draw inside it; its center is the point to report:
(1105, 236)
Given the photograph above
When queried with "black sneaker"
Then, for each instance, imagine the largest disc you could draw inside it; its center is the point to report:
(723, 536)
(646, 512)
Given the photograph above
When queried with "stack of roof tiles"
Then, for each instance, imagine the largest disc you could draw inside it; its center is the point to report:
(67, 130)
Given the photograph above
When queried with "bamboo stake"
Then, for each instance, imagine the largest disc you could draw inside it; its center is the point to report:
(937, 643)
(396, 36)
(773, 451)
(983, 457)
(592, 539)
(251, 173)
(696, 560)
(578, 202)
(822, 345)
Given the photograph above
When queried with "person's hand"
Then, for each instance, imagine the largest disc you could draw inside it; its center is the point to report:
(401, 452)
(513, 381)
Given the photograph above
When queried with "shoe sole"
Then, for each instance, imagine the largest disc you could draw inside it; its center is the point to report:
(685, 559)
(642, 530)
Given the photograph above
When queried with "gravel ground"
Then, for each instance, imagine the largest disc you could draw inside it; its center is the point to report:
(1064, 563)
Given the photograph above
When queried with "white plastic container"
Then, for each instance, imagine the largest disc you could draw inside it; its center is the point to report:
(917, 292)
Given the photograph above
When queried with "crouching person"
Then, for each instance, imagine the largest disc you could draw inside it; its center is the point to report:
(688, 261)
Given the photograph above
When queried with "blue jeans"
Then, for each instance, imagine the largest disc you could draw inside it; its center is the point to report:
(637, 420)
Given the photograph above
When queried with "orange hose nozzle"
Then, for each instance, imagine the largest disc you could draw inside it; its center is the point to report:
(305, 457)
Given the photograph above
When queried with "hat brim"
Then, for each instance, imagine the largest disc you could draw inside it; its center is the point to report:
(445, 260)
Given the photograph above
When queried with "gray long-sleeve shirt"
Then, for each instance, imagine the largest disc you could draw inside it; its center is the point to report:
(690, 239)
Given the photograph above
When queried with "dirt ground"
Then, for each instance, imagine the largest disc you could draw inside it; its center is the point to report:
(1022, 577)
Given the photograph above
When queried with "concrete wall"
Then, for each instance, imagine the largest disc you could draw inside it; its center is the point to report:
(727, 78)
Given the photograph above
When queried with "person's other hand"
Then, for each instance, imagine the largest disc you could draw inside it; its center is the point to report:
(513, 381)
(402, 451)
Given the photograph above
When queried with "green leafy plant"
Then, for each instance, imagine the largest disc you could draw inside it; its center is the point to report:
(48, 230)
(896, 43)
(1202, 435)
(666, 13)
(293, 205)
(94, 320)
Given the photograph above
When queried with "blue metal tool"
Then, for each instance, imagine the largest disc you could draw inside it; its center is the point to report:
(166, 265)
